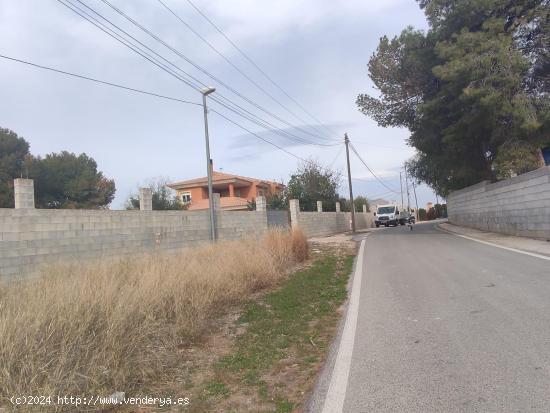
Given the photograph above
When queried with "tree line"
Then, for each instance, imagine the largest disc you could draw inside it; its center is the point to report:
(473, 89)
(313, 182)
(67, 180)
(62, 180)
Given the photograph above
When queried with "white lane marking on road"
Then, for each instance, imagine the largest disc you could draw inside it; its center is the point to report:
(336, 394)
(531, 254)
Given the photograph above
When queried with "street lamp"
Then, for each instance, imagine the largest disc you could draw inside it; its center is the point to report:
(205, 92)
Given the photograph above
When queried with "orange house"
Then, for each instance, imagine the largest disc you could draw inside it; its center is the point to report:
(235, 191)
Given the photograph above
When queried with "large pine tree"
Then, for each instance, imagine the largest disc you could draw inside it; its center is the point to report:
(473, 90)
(61, 180)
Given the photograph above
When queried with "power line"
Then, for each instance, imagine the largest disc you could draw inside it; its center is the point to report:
(245, 55)
(103, 82)
(376, 145)
(373, 198)
(138, 48)
(211, 46)
(200, 68)
(371, 171)
(155, 61)
(219, 95)
(336, 157)
(381, 195)
(258, 136)
(152, 94)
(270, 127)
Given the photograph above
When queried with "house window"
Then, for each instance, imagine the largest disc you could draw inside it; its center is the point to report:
(186, 197)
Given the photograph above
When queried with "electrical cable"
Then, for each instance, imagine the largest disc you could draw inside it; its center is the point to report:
(371, 171)
(336, 157)
(245, 55)
(224, 57)
(231, 105)
(103, 82)
(201, 69)
(258, 136)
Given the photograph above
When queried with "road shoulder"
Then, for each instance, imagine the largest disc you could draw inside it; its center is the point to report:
(326, 387)
(530, 246)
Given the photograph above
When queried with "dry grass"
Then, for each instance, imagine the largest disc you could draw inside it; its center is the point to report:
(93, 328)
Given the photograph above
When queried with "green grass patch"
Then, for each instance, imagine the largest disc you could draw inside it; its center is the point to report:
(285, 323)
(216, 388)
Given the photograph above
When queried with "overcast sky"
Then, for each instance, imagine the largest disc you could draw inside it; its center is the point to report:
(316, 50)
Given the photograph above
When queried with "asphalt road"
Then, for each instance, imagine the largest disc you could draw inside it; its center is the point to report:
(446, 324)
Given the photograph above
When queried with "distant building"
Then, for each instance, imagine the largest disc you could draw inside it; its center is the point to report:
(429, 206)
(235, 191)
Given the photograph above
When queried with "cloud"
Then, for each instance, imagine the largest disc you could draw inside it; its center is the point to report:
(317, 50)
(254, 21)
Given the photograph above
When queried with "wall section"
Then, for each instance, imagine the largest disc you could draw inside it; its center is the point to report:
(516, 206)
(33, 237)
(315, 224)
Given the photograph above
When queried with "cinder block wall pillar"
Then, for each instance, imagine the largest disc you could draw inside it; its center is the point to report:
(216, 202)
(364, 209)
(338, 207)
(218, 219)
(24, 193)
(319, 206)
(294, 205)
(261, 206)
(145, 199)
(261, 203)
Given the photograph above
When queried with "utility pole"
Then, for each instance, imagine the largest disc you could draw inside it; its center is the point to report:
(205, 92)
(401, 185)
(408, 194)
(352, 205)
(416, 202)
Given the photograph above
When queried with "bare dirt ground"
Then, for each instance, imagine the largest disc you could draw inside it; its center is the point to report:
(340, 243)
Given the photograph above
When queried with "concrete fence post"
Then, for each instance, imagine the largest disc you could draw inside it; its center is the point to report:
(24, 193)
(261, 204)
(218, 218)
(338, 209)
(364, 208)
(294, 205)
(319, 206)
(216, 202)
(145, 199)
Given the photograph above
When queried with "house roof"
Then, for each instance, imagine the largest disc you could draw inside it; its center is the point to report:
(220, 177)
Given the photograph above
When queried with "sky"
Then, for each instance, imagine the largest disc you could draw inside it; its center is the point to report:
(315, 50)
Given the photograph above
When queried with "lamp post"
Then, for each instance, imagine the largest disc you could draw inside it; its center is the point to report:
(205, 92)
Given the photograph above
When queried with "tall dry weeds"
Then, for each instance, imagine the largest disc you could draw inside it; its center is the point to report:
(97, 327)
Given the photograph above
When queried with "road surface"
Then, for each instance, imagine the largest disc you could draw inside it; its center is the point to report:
(445, 324)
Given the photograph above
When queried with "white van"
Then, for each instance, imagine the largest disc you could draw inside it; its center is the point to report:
(389, 215)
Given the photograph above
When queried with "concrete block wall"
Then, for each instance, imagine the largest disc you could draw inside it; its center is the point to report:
(363, 220)
(32, 237)
(315, 224)
(516, 206)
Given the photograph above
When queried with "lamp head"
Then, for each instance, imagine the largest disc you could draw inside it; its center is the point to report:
(207, 90)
